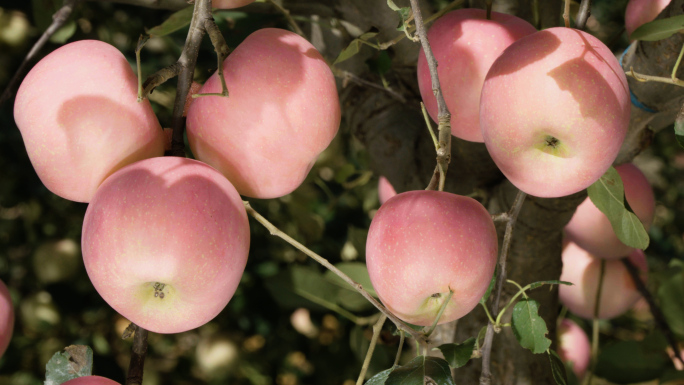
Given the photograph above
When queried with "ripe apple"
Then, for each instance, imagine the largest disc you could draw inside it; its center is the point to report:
(91, 380)
(421, 244)
(229, 4)
(283, 110)
(385, 190)
(590, 229)
(618, 292)
(165, 242)
(574, 347)
(554, 111)
(6, 318)
(78, 114)
(639, 12)
(465, 45)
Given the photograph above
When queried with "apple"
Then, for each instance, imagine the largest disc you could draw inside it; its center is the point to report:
(385, 190)
(282, 112)
(229, 4)
(618, 292)
(6, 318)
(422, 244)
(165, 242)
(465, 45)
(554, 111)
(639, 12)
(574, 347)
(591, 230)
(91, 380)
(78, 114)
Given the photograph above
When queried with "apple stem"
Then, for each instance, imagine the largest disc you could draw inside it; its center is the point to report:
(566, 14)
(439, 314)
(489, 9)
(138, 352)
(369, 354)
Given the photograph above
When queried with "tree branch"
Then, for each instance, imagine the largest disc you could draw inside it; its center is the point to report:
(583, 14)
(138, 352)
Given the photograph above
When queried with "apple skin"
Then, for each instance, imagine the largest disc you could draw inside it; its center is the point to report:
(554, 111)
(590, 229)
(574, 347)
(385, 190)
(618, 293)
(167, 220)
(640, 12)
(422, 243)
(229, 4)
(282, 112)
(78, 114)
(6, 318)
(465, 45)
(91, 380)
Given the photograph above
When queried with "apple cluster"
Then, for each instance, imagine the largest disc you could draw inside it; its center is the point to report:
(165, 240)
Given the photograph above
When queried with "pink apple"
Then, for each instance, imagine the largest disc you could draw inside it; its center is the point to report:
(421, 244)
(618, 293)
(91, 380)
(465, 45)
(6, 318)
(78, 114)
(283, 110)
(165, 242)
(229, 4)
(385, 190)
(590, 229)
(574, 347)
(554, 111)
(639, 12)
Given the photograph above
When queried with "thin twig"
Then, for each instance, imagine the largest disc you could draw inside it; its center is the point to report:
(649, 78)
(566, 14)
(357, 286)
(346, 75)
(222, 52)
(369, 354)
(138, 352)
(486, 376)
(401, 344)
(583, 14)
(658, 316)
(289, 18)
(443, 115)
(58, 20)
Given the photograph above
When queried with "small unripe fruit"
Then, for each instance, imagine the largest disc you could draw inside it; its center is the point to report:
(574, 347)
(91, 380)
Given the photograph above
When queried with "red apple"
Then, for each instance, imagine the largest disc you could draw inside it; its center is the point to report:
(283, 110)
(78, 114)
(229, 4)
(574, 347)
(6, 318)
(554, 111)
(421, 244)
(91, 380)
(590, 229)
(385, 190)
(465, 45)
(639, 12)
(165, 242)
(618, 292)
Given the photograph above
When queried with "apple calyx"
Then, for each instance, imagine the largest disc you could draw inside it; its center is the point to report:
(159, 289)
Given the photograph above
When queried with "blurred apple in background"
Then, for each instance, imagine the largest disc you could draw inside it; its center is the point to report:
(57, 261)
(6, 318)
(591, 230)
(91, 380)
(574, 347)
(385, 190)
(639, 12)
(465, 45)
(554, 111)
(421, 244)
(165, 243)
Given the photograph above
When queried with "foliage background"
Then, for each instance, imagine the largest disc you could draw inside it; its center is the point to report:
(253, 339)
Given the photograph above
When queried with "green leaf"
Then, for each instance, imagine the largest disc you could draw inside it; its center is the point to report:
(529, 328)
(487, 293)
(76, 361)
(608, 195)
(292, 285)
(671, 295)
(679, 129)
(175, 22)
(354, 47)
(356, 271)
(414, 372)
(458, 355)
(553, 282)
(64, 33)
(627, 362)
(659, 29)
(558, 368)
(404, 14)
(380, 378)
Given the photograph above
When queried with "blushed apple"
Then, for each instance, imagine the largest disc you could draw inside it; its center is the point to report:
(421, 245)
(78, 114)
(574, 347)
(554, 111)
(385, 190)
(91, 380)
(618, 292)
(591, 230)
(229, 4)
(639, 12)
(465, 45)
(282, 112)
(6, 318)
(165, 242)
